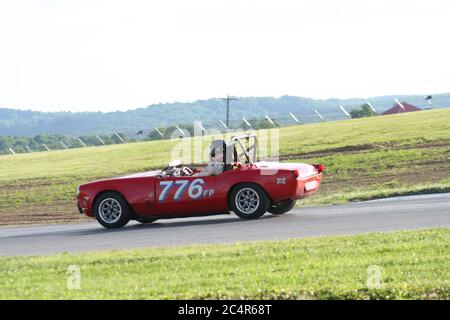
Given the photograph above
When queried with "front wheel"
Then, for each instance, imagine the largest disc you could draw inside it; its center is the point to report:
(248, 201)
(111, 210)
(281, 207)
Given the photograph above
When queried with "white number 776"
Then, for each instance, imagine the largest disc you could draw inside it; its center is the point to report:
(195, 190)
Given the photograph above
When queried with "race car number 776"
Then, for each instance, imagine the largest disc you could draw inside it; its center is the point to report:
(195, 190)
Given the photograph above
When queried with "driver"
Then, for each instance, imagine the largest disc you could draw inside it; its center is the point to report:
(216, 162)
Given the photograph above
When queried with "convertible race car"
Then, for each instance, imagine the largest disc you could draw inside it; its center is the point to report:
(243, 185)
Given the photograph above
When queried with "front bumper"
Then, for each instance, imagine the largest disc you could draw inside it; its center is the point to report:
(84, 204)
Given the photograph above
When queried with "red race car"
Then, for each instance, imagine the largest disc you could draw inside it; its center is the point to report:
(240, 184)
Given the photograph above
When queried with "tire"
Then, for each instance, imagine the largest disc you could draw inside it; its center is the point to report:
(146, 220)
(248, 201)
(282, 206)
(111, 210)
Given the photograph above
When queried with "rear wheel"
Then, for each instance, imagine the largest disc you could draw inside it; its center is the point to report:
(248, 201)
(281, 207)
(111, 210)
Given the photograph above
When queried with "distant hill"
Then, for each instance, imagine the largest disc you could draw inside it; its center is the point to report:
(30, 123)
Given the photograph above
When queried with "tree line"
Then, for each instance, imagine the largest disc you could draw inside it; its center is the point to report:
(58, 142)
(364, 111)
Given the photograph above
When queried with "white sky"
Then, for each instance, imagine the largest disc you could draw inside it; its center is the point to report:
(125, 54)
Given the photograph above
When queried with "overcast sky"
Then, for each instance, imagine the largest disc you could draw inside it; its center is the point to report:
(117, 55)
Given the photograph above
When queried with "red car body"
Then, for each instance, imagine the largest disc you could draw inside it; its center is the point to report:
(151, 195)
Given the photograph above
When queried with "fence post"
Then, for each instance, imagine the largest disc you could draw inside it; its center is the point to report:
(100, 139)
(293, 117)
(345, 111)
(223, 124)
(82, 143)
(371, 107)
(400, 104)
(247, 123)
(118, 136)
(270, 120)
(319, 115)
(199, 124)
(179, 130)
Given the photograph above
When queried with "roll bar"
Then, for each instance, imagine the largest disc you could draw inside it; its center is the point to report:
(250, 152)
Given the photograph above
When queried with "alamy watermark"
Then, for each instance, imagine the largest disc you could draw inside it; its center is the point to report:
(374, 277)
(196, 150)
(73, 281)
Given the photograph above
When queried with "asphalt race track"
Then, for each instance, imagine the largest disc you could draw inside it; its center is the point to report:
(402, 213)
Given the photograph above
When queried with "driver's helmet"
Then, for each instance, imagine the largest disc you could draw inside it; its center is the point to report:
(217, 147)
(220, 147)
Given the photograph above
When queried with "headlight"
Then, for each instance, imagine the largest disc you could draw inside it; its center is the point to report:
(78, 191)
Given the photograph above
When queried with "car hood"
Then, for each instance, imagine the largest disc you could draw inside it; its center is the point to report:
(139, 175)
(129, 176)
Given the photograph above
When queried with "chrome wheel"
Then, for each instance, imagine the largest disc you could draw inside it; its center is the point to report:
(247, 200)
(110, 210)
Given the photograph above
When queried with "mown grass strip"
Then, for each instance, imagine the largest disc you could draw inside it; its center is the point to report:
(412, 265)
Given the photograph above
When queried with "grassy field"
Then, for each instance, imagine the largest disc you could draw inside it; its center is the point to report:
(411, 265)
(365, 159)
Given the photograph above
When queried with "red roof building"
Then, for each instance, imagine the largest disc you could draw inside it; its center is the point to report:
(396, 108)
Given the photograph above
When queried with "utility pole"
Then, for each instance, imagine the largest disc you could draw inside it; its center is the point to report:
(228, 99)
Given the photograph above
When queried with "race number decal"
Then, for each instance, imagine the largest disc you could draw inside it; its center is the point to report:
(195, 189)
(167, 185)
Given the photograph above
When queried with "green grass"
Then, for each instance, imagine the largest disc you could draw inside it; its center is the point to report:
(365, 158)
(379, 173)
(413, 265)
